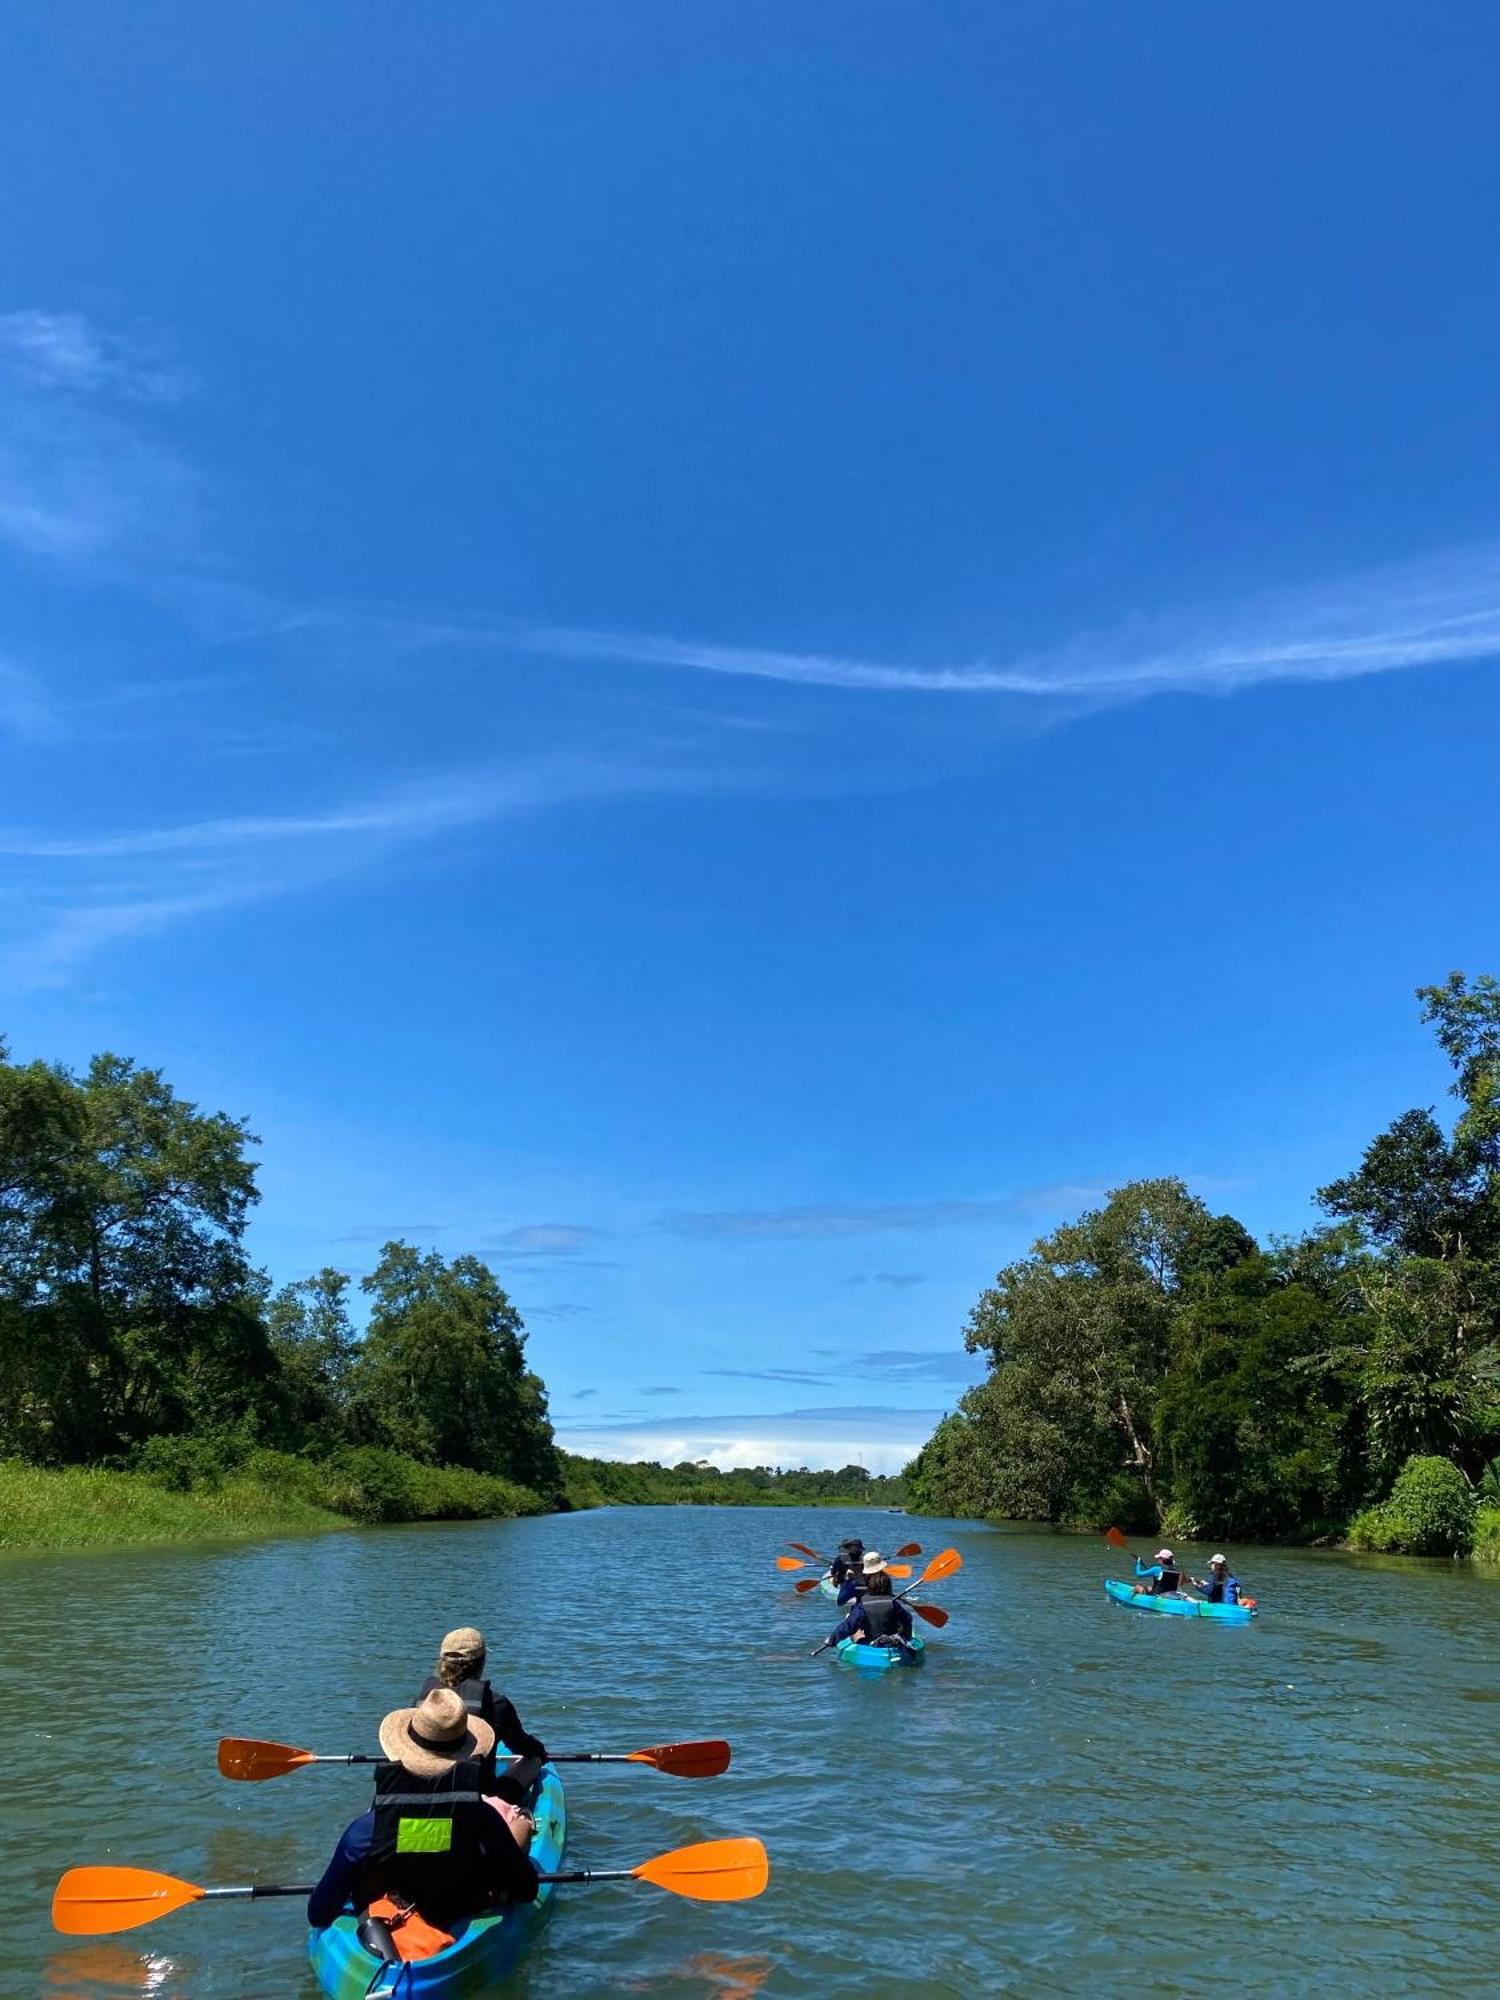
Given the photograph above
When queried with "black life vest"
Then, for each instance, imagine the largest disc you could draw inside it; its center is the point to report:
(476, 1695)
(1169, 1581)
(426, 1847)
(881, 1614)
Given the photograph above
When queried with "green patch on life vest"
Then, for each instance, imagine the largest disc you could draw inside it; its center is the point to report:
(424, 1836)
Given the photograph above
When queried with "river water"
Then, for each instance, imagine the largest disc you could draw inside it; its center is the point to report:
(1069, 1798)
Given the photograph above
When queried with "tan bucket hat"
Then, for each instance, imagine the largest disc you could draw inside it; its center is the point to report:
(874, 1563)
(432, 1737)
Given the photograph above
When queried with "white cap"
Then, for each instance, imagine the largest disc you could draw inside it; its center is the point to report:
(1164, 1556)
(1218, 1559)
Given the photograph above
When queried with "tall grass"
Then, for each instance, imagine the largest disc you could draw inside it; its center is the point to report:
(79, 1507)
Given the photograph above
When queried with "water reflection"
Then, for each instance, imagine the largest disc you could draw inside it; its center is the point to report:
(106, 1967)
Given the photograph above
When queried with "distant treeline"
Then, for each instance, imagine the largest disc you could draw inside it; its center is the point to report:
(604, 1482)
(135, 1334)
(1152, 1365)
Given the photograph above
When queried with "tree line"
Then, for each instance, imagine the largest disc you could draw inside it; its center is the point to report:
(1151, 1364)
(137, 1335)
(135, 1332)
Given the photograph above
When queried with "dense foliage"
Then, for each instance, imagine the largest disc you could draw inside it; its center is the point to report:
(134, 1332)
(1150, 1364)
(601, 1482)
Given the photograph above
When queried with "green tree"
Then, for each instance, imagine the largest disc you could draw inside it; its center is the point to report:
(129, 1306)
(1079, 1335)
(1417, 1191)
(1255, 1428)
(441, 1374)
(315, 1346)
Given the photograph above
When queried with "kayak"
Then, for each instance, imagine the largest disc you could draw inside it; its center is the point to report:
(829, 1588)
(484, 1950)
(880, 1659)
(1185, 1607)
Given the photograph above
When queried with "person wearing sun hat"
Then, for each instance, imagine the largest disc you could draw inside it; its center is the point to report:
(460, 1665)
(429, 1839)
(877, 1618)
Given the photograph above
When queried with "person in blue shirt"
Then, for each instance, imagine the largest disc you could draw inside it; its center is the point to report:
(430, 1840)
(1164, 1576)
(877, 1618)
(1219, 1587)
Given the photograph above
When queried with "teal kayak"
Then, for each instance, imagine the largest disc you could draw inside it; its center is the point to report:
(1185, 1607)
(484, 1950)
(829, 1588)
(880, 1659)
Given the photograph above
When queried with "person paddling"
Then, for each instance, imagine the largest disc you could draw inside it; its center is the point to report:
(429, 1843)
(877, 1618)
(1219, 1587)
(847, 1559)
(460, 1666)
(1165, 1577)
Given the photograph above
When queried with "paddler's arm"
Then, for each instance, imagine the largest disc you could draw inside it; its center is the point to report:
(335, 1892)
(507, 1727)
(512, 1872)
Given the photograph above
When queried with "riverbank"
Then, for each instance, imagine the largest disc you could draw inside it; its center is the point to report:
(272, 1493)
(80, 1508)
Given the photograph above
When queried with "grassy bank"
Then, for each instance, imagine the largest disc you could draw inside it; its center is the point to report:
(80, 1508)
(271, 1493)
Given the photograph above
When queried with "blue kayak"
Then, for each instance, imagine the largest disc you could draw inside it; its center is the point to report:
(1184, 1607)
(484, 1949)
(880, 1659)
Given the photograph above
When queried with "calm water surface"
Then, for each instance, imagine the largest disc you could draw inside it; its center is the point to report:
(1069, 1798)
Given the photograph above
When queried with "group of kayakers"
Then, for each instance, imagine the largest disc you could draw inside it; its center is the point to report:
(1165, 1578)
(876, 1616)
(446, 1834)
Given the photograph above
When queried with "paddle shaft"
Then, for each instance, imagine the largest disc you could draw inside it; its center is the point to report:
(265, 1888)
(555, 1757)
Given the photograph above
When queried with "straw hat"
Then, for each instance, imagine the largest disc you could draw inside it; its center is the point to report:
(874, 1563)
(430, 1739)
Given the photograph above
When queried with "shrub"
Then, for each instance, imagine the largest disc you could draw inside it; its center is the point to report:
(1431, 1512)
(1487, 1535)
(179, 1463)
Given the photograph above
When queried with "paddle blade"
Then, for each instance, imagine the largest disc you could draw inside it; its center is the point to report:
(687, 1760)
(789, 1562)
(804, 1584)
(941, 1566)
(715, 1871)
(803, 1550)
(1115, 1539)
(244, 1758)
(910, 1549)
(898, 1569)
(930, 1612)
(92, 1902)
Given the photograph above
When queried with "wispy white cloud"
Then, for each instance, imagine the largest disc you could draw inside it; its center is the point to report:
(119, 885)
(65, 351)
(836, 1219)
(1433, 613)
(86, 476)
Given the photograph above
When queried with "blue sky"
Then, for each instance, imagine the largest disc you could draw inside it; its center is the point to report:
(738, 655)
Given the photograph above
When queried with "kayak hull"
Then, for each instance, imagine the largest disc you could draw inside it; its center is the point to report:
(829, 1588)
(485, 1950)
(1182, 1607)
(881, 1659)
